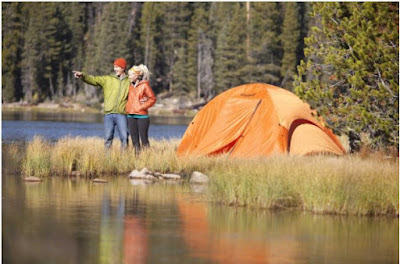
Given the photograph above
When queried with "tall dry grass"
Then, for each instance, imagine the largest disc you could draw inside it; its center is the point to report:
(89, 157)
(322, 184)
(37, 159)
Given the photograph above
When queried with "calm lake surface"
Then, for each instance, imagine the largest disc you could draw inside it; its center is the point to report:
(73, 220)
(23, 126)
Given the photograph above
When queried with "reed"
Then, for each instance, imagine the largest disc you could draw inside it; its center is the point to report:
(37, 160)
(321, 184)
(351, 184)
(65, 155)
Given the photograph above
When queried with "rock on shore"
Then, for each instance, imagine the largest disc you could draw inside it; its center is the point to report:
(198, 177)
(149, 175)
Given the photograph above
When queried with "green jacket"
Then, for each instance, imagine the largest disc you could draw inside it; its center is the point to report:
(115, 91)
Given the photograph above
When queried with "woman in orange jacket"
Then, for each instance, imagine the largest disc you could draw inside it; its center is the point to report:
(140, 98)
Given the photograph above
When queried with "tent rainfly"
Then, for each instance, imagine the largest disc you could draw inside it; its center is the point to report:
(254, 120)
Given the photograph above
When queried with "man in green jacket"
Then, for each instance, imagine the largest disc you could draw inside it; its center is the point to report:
(115, 88)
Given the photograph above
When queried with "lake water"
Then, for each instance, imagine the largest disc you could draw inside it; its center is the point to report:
(23, 126)
(73, 220)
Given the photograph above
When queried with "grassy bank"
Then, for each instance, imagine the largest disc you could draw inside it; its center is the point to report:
(337, 185)
(322, 184)
(88, 156)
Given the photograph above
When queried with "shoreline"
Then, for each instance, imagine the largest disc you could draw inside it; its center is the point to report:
(348, 185)
(157, 110)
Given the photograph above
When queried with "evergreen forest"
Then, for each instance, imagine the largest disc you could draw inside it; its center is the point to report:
(342, 58)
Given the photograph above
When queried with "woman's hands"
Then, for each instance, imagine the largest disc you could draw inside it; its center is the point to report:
(143, 100)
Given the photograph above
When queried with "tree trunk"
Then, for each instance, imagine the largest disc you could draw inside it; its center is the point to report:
(73, 86)
(135, 6)
(199, 48)
(28, 80)
(147, 46)
(248, 17)
(51, 87)
(60, 82)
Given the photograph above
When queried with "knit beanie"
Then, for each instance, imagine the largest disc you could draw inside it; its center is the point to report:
(120, 62)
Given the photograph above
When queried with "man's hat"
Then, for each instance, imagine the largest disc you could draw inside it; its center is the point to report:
(121, 63)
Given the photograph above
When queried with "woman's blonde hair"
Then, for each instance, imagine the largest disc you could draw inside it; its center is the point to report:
(140, 70)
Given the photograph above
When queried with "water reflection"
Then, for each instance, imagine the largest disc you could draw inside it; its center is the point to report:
(155, 223)
(243, 236)
(135, 240)
(111, 226)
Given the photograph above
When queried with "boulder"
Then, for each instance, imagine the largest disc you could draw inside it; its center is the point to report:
(171, 176)
(198, 177)
(158, 175)
(149, 175)
(146, 171)
(135, 174)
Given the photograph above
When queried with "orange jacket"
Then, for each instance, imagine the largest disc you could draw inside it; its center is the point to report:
(140, 98)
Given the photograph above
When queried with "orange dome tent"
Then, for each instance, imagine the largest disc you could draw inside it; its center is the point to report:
(257, 120)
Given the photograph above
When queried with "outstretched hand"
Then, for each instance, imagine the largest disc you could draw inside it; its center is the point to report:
(77, 74)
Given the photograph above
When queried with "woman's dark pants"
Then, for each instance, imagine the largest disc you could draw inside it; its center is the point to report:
(139, 127)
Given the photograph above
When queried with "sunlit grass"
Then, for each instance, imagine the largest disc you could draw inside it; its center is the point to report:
(323, 184)
(37, 161)
(338, 185)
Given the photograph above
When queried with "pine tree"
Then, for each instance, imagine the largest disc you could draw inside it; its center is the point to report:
(290, 42)
(352, 72)
(30, 55)
(110, 38)
(46, 48)
(176, 23)
(200, 60)
(200, 49)
(133, 32)
(264, 49)
(62, 50)
(305, 22)
(49, 49)
(11, 51)
(230, 53)
(148, 44)
(75, 17)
